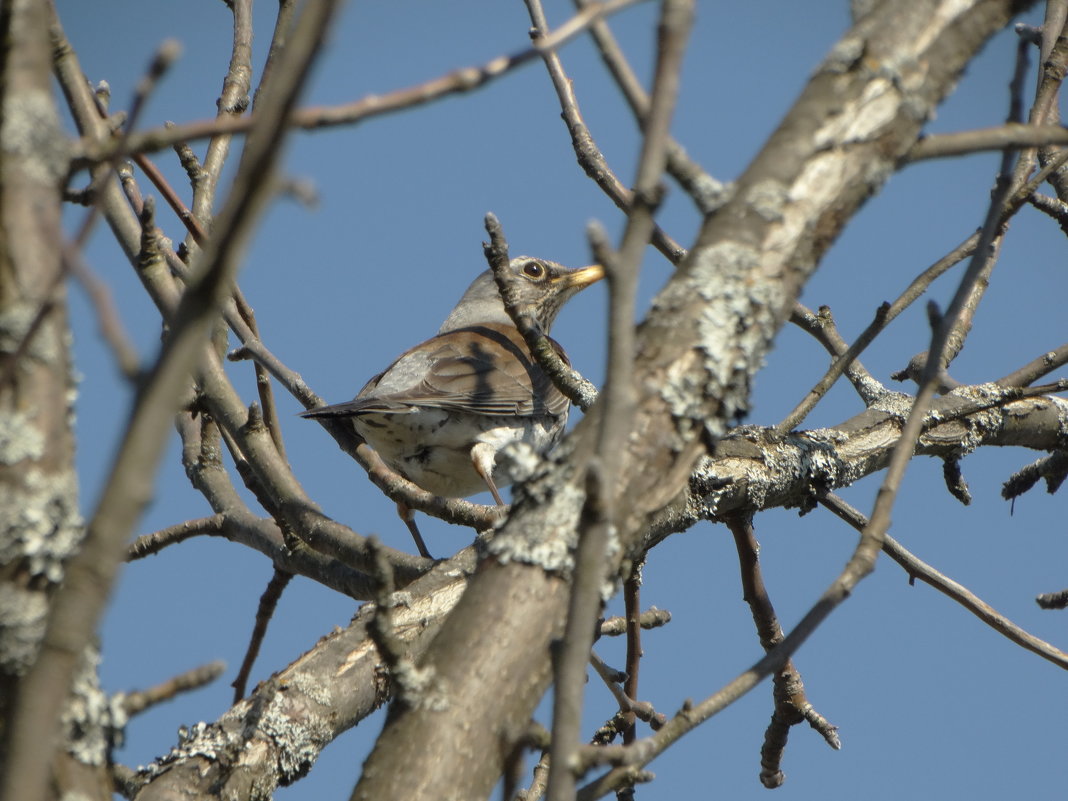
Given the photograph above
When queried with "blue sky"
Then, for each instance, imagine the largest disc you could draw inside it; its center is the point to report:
(930, 702)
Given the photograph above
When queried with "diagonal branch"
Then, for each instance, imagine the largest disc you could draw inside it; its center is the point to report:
(79, 603)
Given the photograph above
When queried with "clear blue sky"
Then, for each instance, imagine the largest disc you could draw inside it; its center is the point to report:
(930, 702)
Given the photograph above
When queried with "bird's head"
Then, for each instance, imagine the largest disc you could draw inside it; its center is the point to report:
(543, 286)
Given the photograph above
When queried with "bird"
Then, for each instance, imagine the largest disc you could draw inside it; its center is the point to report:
(443, 410)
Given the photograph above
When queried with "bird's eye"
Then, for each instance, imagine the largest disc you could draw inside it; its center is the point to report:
(533, 269)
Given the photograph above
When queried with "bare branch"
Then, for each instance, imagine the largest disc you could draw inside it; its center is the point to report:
(138, 701)
(651, 618)
(589, 155)
(456, 82)
(617, 407)
(916, 568)
(568, 380)
(79, 602)
(1010, 135)
(264, 612)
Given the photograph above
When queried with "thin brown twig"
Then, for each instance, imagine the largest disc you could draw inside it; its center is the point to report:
(822, 327)
(708, 193)
(264, 612)
(791, 702)
(962, 324)
(232, 103)
(1054, 63)
(152, 544)
(181, 211)
(137, 701)
(166, 54)
(107, 313)
(886, 314)
(651, 618)
(918, 569)
(1054, 208)
(1052, 468)
(632, 587)
(568, 380)
(77, 605)
(901, 455)
(456, 82)
(998, 137)
(627, 704)
(616, 403)
(589, 155)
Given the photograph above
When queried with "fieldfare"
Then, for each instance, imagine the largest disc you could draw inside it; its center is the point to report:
(443, 410)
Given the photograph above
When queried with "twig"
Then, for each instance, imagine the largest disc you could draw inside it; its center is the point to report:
(651, 618)
(151, 544)
(264, 612)
(885, 315)
(232, 103)
(1036, 368)
(938, 352)
(537, 738)
(589, 155)
(456, 82)
(1054, 208)
(822, 327)
(1052, 468)
(411, 685)
(569, 665)
(162, 60)
(917, 568)
(1054, 62)
(632, 586)
(282, 24)
(791, 702)
(999, 137)
(537, 785)
(568, 380)
(107, 313)
(77, 605)
(708, 193)
(627, 704)
(616, 401)
(137, 701)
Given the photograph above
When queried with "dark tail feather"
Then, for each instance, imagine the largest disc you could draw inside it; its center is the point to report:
(337, 410)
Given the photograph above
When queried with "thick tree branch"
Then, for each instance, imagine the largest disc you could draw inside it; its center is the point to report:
(78, 604)
(698, 349)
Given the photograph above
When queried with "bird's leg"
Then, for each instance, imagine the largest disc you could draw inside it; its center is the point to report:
(483, 457)
(408, 516)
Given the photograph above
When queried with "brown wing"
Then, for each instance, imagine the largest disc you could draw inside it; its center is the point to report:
(484, 369)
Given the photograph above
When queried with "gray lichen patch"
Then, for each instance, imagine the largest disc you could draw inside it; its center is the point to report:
(23, 615)
(42, 523)
(31, 135)
(45, 346)
(92, 721)
(20, 439)
(547, 539)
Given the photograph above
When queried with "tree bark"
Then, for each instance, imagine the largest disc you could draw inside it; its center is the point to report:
(707, 334)
(39, 514)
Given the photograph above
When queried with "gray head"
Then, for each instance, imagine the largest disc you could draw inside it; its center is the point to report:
(545, 285)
